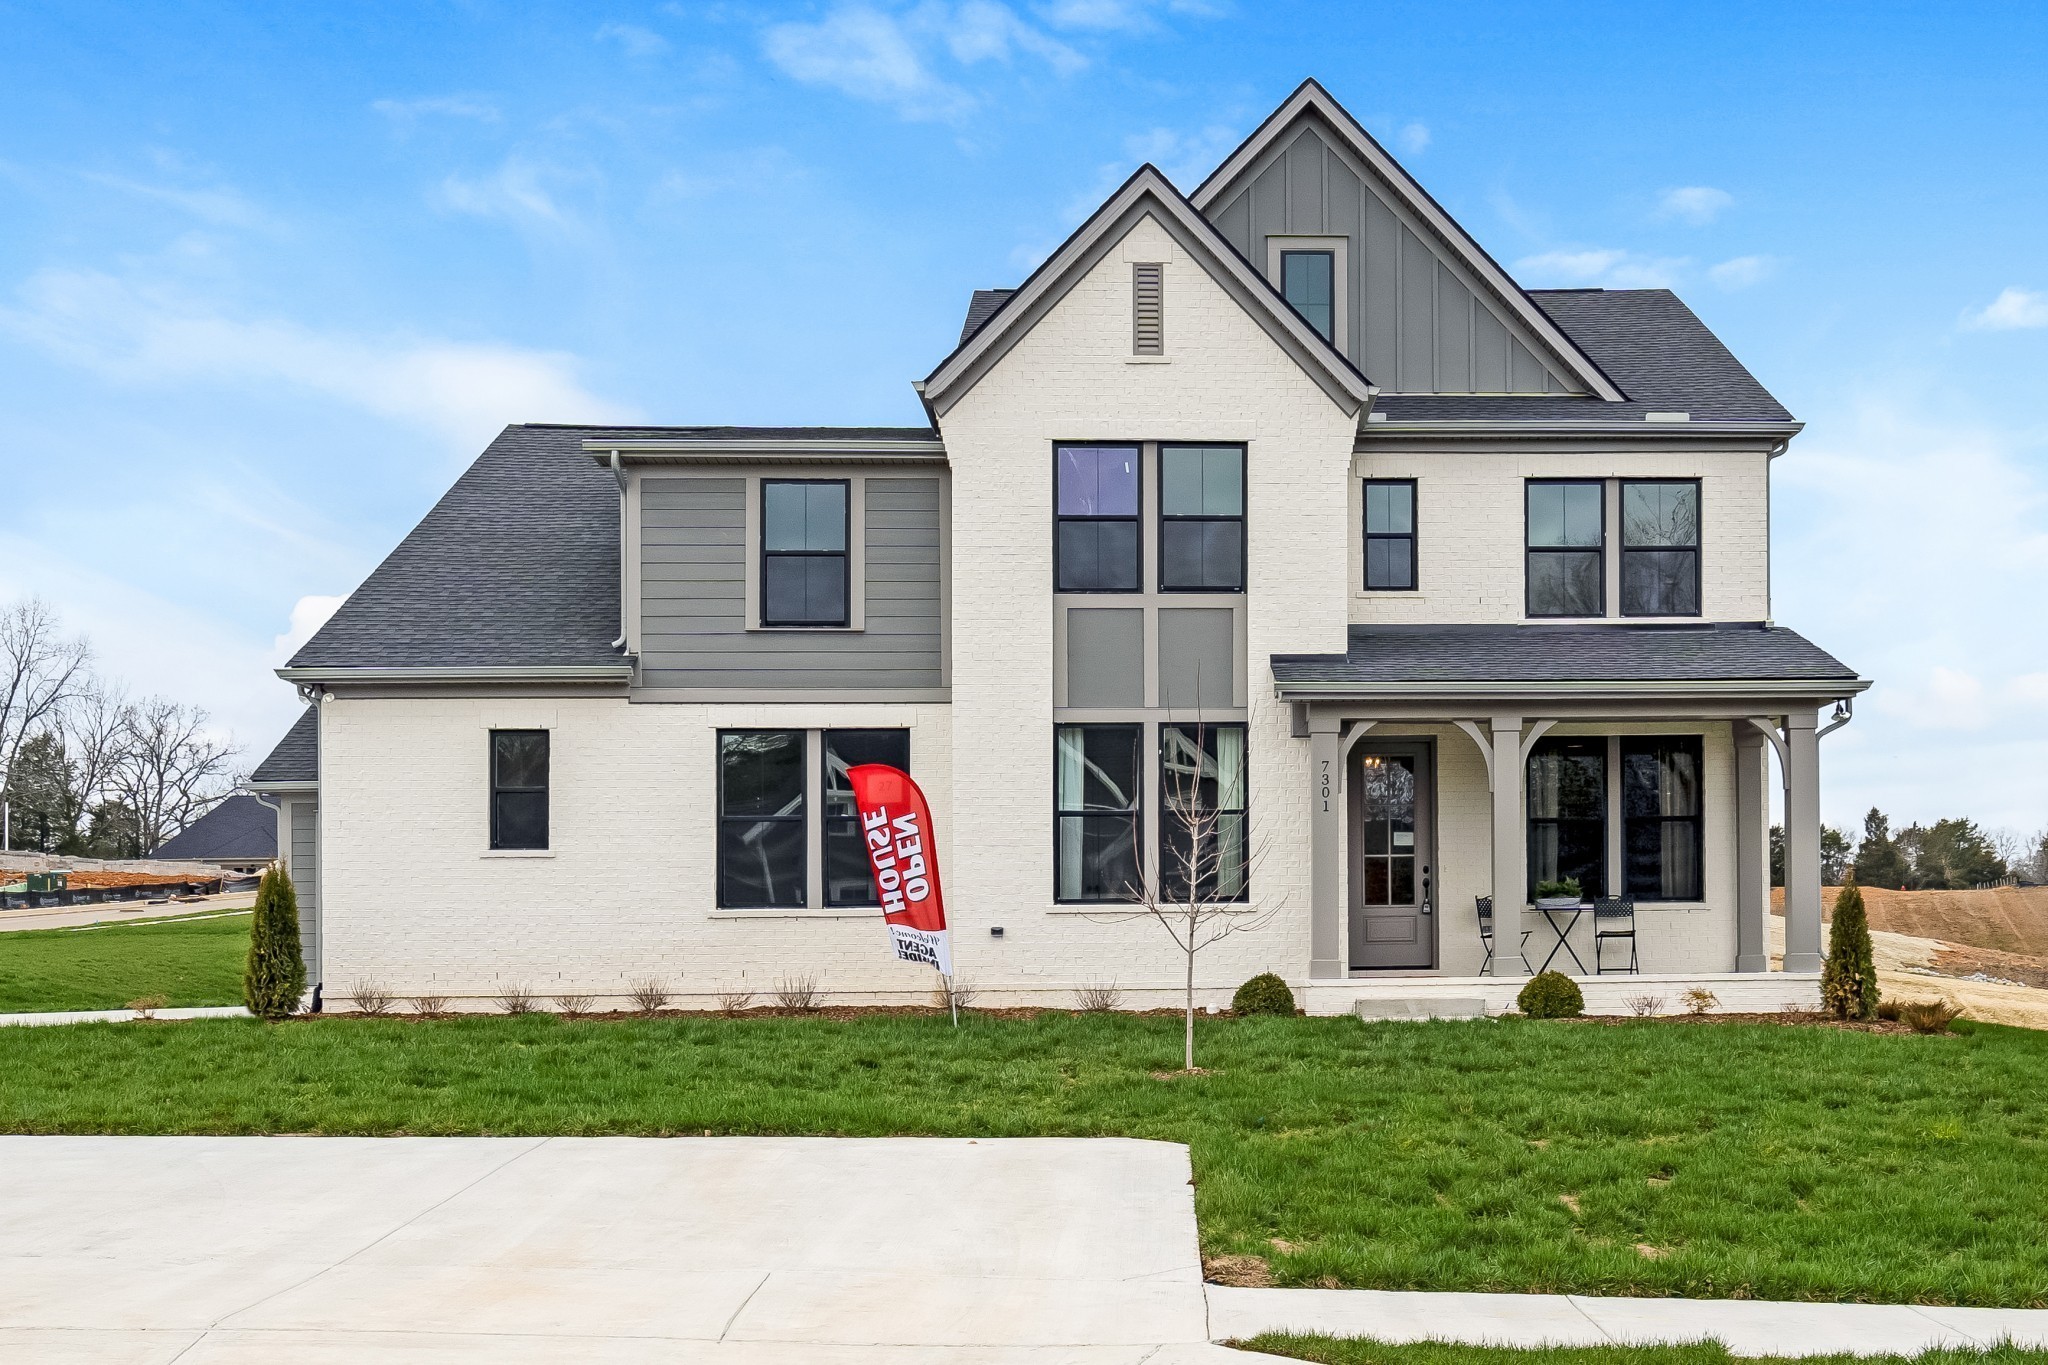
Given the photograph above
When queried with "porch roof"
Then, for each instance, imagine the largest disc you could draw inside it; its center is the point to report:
(1710, 656)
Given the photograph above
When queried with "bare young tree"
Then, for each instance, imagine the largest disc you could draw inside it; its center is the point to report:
(41, 669)
(94, 725)
(171, 768)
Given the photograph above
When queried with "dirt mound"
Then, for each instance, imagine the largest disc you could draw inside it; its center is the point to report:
(2006, 919)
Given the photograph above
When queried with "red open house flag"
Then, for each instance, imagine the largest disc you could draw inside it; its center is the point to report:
(897, 825)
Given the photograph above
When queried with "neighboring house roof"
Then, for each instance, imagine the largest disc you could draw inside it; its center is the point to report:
(296, 757)
(1431, 655)
(239, 829)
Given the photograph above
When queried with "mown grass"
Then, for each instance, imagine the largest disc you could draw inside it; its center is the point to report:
(1362, 1351)
(104, 966)
(1744, 1160)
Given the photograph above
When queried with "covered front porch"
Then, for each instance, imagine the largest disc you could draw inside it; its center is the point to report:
(1444, 786)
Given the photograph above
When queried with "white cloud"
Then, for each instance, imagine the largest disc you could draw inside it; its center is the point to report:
(1184, 157)
(464, 391)
(1128, 16)
(634, 40)
(516, 191)
(1413, 138)
(1695, 204)
(1741, 272)
(405, 113)
(220, 206)
(2013, 309)
(309, 613)
(1607, 268)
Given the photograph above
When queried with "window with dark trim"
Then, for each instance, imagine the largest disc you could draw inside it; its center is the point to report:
(519, 789)
(1389, 534)
(1201, 518)
(804, 530)
(1308, 281)
(1662, 842)
(1202, 824)
(1566, 529)
(1097, 776)
(1660, 547)
(1567, 802)
(849, 880)
(1095, 518)
(761, 834)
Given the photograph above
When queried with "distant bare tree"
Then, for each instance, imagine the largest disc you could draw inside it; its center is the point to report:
(41, 669)
(171, 769)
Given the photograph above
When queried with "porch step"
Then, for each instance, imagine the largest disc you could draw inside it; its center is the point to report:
(1422, 1007)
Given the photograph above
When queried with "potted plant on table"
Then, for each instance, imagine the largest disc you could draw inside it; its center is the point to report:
(1563, 895)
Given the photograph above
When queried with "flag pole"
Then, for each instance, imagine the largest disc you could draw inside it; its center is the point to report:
(954, 1001)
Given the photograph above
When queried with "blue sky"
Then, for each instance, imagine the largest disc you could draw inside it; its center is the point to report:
(271, 275)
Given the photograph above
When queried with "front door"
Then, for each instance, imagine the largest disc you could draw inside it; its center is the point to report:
(1393, 920)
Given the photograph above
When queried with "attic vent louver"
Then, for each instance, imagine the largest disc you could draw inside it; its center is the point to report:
(1148, 308)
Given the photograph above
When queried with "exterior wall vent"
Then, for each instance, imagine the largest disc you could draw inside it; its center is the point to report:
(1148, 308)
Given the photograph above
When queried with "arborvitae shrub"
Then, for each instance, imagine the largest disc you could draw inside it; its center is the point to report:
(1551, 995)
(1263, 994)
(1848, 979)
(276, 975)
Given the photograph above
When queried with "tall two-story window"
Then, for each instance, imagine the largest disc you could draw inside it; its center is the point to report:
(1308, 281)
(1661, 837)
(848, 878)
(803, 552)
(1389, 534)
(1568, 813)
(1566, 526)
(1096, 805)
(1201, 518)
(519, 789)
(1202, 825)
(760, 818)
(1660, 547)
(1095, 513)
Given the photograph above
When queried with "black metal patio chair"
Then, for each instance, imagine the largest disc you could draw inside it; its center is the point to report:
(1486, 936)
(1614, 917)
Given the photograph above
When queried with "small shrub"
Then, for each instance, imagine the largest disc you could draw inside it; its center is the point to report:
(954, 993)
(148, 1005)
(515, 1000)
(798, 993)
(1848, 979)
(732, 1002)
(370, 998)
(275, 976)
(1888, 1010)
(650, 995)
(574, 1006)
(1699, 1000)
(1645, 1006)
(1928, 1016)
(1551, 995)
(1568, 887)
(429, 1004)
(1263, 994)
(1100, 998)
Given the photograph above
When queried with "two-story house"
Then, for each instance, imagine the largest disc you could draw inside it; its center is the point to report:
(1277, 516)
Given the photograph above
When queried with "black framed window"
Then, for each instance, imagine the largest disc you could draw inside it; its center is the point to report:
(1567, 797)
(760, 818)
(1567, 522)
(519, 789)
(1308, 280)
(1201, 518)
(1095, 519)
(1096, 802)
(849, 880)
(1389, 533)
(1660, 547)
(804, 533)
(1203, 816)
(1662, 842)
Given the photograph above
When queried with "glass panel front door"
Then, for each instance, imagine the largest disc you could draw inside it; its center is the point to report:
(1392, 920)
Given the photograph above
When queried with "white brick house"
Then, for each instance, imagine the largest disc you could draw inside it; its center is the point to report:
(1437, 589)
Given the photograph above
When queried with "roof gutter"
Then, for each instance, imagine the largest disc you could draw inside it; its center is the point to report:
(1825, 689)
(1499, 426)
(918, 449)
(574, 673)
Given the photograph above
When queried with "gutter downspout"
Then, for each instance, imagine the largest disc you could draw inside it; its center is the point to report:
(619, 475)
(1845, 711)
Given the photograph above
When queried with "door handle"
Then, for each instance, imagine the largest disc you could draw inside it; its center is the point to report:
(1425, 890)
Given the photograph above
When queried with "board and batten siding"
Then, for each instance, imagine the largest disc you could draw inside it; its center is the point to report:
(693, 574)
(1417, 321)
(305, 875)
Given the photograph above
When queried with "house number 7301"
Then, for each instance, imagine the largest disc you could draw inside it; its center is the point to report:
(1326, 784)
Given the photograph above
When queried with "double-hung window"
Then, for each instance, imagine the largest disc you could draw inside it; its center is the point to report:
(1568, 813)
(1095, 532)
(519, 789)
(1566, 529)
(849, 880)
(1389, 534)
(803, 552)
(1660, 547)
(1308, 281)
(1202, 827)
(1201, 518)
(761, 819)
(1097, 776)
(1660, 817)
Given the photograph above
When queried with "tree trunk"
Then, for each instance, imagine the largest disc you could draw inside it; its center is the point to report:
(1188, 1053)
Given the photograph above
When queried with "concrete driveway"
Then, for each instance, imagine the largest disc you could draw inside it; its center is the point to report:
(206, 1251)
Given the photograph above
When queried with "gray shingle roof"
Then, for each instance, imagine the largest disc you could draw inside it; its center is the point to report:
(297, 756)
(981, 308)
(239, 829)
(1726, 651)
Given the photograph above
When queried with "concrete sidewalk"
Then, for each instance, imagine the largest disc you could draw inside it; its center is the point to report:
(42, 1017)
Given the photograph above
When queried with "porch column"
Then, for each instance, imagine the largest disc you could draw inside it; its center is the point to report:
(1510, 845)
(1752, 842)
(1325, 839)
(1802, 843)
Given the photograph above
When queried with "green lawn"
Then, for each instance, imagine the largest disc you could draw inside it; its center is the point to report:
(104, 966)
(1358, 1351)
(1744, 1159)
